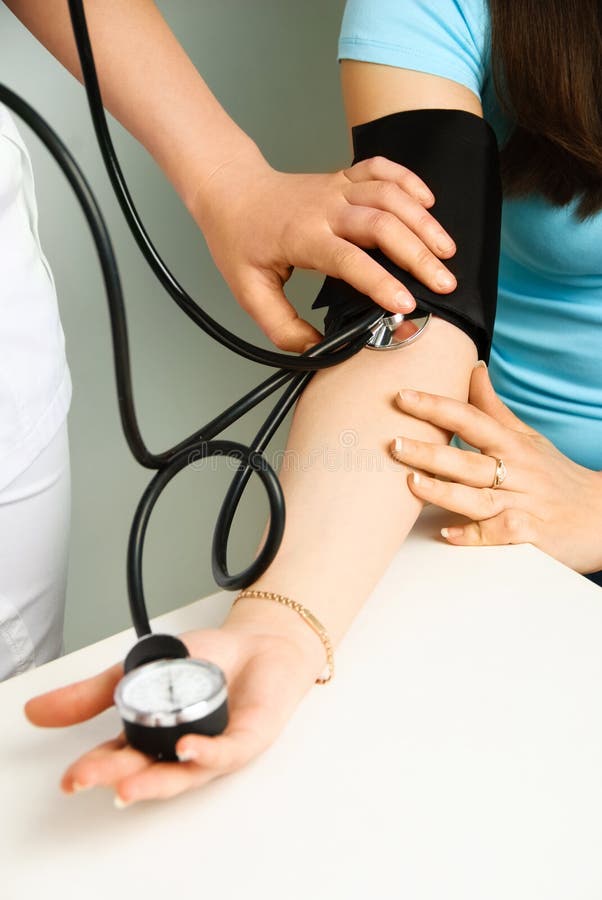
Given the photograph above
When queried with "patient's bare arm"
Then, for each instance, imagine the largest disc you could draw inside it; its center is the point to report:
(348, 504)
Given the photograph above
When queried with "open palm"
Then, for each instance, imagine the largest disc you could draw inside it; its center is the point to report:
(267, 676)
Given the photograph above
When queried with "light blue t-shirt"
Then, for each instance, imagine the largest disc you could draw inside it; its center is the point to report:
(546, 359)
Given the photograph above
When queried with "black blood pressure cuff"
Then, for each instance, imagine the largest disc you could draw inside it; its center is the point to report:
(455, 153)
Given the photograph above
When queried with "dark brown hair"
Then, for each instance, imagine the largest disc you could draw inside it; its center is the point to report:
(547, 65)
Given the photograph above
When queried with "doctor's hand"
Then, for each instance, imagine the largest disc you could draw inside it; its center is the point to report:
(268, 672)
(545, 499)
(260, 223)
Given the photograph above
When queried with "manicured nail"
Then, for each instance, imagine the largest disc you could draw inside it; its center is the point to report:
(404, 300)
(455, 531)
(408, 396)
(480, 363)
(185, 756)
(446, 281)
(76, 787)
(397, 445)
(423, 480)
(120, 803)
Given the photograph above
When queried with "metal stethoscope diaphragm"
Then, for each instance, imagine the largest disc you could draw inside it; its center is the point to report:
(394, 331)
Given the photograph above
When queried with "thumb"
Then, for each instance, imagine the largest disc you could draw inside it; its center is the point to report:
(265, 301)
(483, 396)
(75, 702)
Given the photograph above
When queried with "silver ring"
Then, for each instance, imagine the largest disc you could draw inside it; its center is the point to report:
(500, 473)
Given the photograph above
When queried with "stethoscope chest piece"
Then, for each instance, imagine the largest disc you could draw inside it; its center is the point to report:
(166, 694)
(395, 331)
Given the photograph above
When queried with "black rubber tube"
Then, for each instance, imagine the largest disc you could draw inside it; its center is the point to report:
(190, 456)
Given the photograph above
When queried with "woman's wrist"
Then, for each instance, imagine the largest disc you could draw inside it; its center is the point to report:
(271, 619)
(211, 186)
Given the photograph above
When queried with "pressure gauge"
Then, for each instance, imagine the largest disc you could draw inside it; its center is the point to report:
(166, 694)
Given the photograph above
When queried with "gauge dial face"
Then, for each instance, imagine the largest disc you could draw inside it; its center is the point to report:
(170, 690)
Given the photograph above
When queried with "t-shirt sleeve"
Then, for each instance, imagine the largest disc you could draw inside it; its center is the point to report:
(449, 38)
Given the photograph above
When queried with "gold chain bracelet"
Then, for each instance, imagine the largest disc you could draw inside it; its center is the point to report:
(306, 615)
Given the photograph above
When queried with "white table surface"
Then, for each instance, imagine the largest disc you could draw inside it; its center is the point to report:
(457, 755)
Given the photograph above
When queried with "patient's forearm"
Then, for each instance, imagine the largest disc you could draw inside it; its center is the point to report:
(348, 504)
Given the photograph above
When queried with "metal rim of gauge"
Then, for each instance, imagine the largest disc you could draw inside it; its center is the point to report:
(212, 688)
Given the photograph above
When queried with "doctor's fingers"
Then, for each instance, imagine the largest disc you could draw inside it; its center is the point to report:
(261, 295)
(388, 197)
(376, 228)
(382, 169)
(74, 702)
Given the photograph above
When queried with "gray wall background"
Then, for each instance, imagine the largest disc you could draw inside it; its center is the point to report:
(273, 65)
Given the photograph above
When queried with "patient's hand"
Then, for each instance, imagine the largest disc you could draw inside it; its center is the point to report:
(547, 499)
(267, 673)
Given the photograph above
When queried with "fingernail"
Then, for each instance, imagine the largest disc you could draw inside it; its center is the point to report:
(480, 363)
(446, 280)
(404, 300)
(397, 445)
(455, 531)
(426, 197)
(309, 346)
(408, 396)
(445, 246)
(423, 480)
(185, 756)
(120, 803)
(76, 787)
